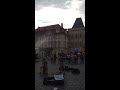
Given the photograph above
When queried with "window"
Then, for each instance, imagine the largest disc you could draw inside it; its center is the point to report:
(48, 44)
(80, 43)
(57, 30)
(49, 38)
(76, 36)
(80, 35)
(58, 43)
(64, 44)
(55, 44)
(41, 45)
(71, 36)
(45, 44)
(51, 43)
(76, 44)
(71, 45)
(68, 45)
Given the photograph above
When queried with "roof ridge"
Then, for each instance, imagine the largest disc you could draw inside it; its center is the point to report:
(49, 25)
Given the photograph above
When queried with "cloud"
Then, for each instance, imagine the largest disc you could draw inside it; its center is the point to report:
(82, 7)
(44, 21)
(48, 12)
(39, 4)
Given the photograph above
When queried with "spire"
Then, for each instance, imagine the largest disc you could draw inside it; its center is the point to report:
(78, 23)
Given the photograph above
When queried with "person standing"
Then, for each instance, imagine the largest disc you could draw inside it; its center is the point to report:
(66, 59)
(58, 58)
(82, 58)
(61, 59)
(72, 58)
(68, 56)
(75, 58)
(79, 61)
(45, 66)
(54, 58)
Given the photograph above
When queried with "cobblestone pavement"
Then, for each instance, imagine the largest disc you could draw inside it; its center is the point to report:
(72, 82)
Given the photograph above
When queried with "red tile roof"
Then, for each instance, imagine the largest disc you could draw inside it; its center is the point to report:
(50, 27)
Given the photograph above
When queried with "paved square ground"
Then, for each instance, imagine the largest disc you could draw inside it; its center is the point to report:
(72, 82)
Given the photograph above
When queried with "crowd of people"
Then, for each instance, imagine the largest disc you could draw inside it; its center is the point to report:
(72, 58)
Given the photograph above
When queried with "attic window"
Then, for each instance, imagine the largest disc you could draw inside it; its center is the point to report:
(57, 30)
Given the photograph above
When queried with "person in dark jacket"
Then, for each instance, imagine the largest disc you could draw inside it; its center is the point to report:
(82, 58)
(68, 56)
(54, 58)
(61, 59)
(75, 59)
(45, 66)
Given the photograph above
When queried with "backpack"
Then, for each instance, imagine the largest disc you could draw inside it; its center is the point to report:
(66, 68)
(75, 71)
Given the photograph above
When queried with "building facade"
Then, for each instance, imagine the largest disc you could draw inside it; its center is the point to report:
(51, 39)
(54, 38)
(77, 39)
(77, 36)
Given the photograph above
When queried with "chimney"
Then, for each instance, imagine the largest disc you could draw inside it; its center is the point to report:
(61, 24)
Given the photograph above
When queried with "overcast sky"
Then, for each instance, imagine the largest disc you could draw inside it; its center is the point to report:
(49, 12)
